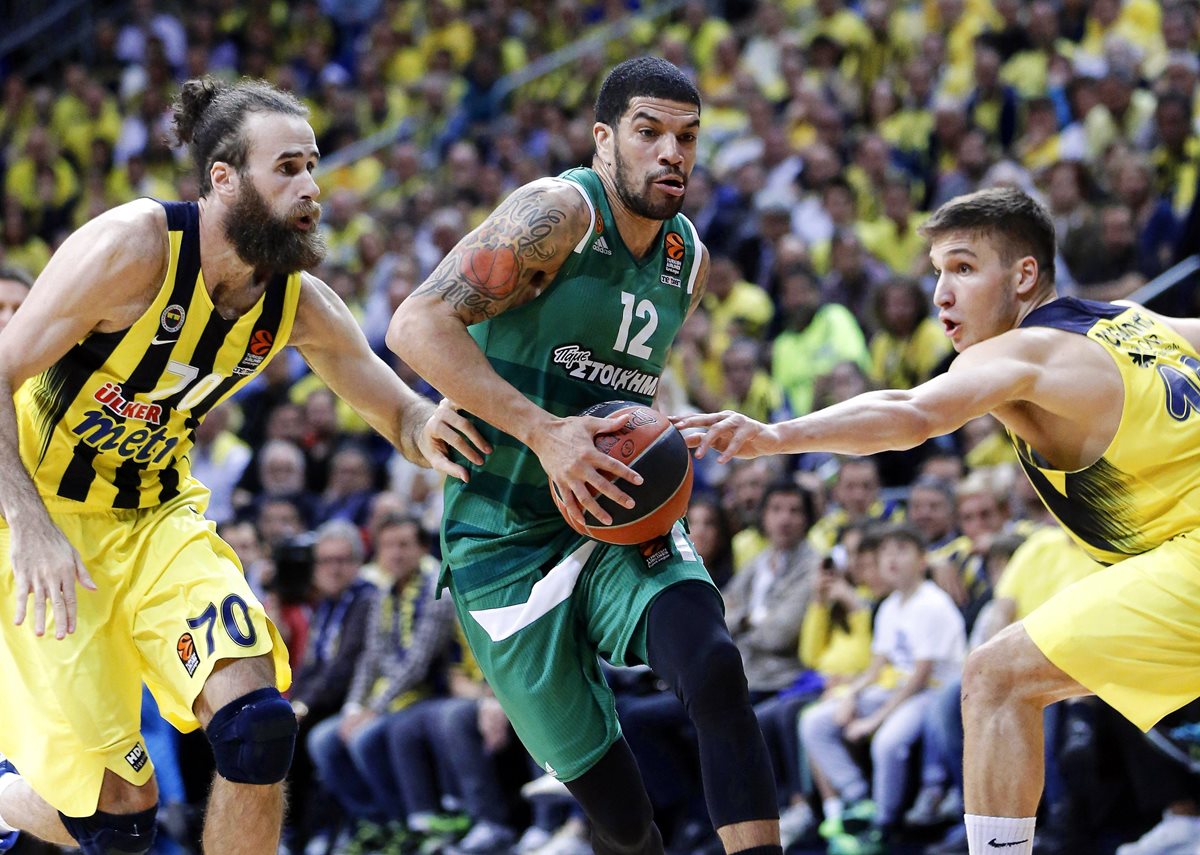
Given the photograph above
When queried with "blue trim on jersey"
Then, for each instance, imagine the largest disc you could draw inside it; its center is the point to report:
(181, 216)
(1072, 314)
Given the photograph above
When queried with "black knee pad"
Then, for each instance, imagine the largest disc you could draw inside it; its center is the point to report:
(113, 833)
(253, 738)
(691, 649)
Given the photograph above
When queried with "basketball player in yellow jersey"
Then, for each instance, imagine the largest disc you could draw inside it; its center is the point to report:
(146, 318)
(1101, 401)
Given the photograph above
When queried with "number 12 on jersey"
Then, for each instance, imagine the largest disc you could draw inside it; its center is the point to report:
(644, 310)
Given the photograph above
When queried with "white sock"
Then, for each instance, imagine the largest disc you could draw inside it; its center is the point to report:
(832, 808)
(999, 835)
(6, 781)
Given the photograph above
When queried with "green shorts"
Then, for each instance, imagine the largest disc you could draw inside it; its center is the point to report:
(537, 637)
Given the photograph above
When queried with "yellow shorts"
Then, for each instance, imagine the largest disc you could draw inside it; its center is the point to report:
(171, 602)
(1130, 633)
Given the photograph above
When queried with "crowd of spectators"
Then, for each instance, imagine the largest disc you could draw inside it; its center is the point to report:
(854, 587)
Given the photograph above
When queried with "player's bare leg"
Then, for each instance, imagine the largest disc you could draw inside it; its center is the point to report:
(1007, 684)
(252, 812)
(26, 811)
(749, 835)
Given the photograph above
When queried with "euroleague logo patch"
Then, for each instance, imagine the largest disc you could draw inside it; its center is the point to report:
(674, 245)
(674, 250)
(173, 317)
(186, 648)
(260, 342)
(260, 346)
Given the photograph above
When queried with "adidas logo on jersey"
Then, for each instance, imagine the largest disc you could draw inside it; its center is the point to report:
(600, 245)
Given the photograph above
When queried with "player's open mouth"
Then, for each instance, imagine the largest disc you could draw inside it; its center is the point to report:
(305, 223)
(950, 327)
(671, 186)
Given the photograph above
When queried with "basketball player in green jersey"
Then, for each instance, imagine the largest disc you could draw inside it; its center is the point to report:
(1100, 401)
(145, 319)
(568, 295)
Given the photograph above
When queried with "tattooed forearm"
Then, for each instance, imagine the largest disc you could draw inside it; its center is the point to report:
(521, 245)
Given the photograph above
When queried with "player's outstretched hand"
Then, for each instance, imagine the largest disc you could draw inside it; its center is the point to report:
(732, 434)
(448, 428)
(567, 451)
(46, 565)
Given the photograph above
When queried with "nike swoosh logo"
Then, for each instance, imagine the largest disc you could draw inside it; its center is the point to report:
(158, 340)
(996, 845)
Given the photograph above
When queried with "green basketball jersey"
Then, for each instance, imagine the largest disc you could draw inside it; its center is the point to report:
(600, 332)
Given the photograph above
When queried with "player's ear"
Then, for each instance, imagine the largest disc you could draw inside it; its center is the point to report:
(605, 136)
(1027, 275)
(223, 178)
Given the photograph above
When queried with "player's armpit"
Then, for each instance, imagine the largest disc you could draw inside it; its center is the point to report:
(511, 257)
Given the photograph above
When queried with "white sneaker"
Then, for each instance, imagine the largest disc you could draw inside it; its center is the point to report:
(545, 785)
(795, 822)
(1175, 835)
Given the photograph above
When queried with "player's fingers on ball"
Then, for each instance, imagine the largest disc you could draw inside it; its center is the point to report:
(571, 506)
(617, 469)
(609, 424)
(588, 502)
(610, 489)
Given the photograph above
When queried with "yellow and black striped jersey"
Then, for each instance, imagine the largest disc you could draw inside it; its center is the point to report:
(1145, 489)
(110, 424)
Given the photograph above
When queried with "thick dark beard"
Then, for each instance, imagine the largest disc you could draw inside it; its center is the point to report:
(271, 243)
(641, 204)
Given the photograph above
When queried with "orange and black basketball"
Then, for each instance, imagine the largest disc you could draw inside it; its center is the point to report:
(651, 446)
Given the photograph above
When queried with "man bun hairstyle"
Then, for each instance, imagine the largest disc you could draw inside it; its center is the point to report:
(1017, 223)
(209, 117)
(645, 77)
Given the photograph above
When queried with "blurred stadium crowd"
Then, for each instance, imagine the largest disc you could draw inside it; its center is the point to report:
(830, 130)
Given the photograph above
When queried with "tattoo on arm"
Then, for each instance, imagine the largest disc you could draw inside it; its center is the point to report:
(492, 268)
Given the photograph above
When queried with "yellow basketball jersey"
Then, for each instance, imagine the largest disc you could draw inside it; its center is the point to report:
(1145, 489)
(110, 424)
